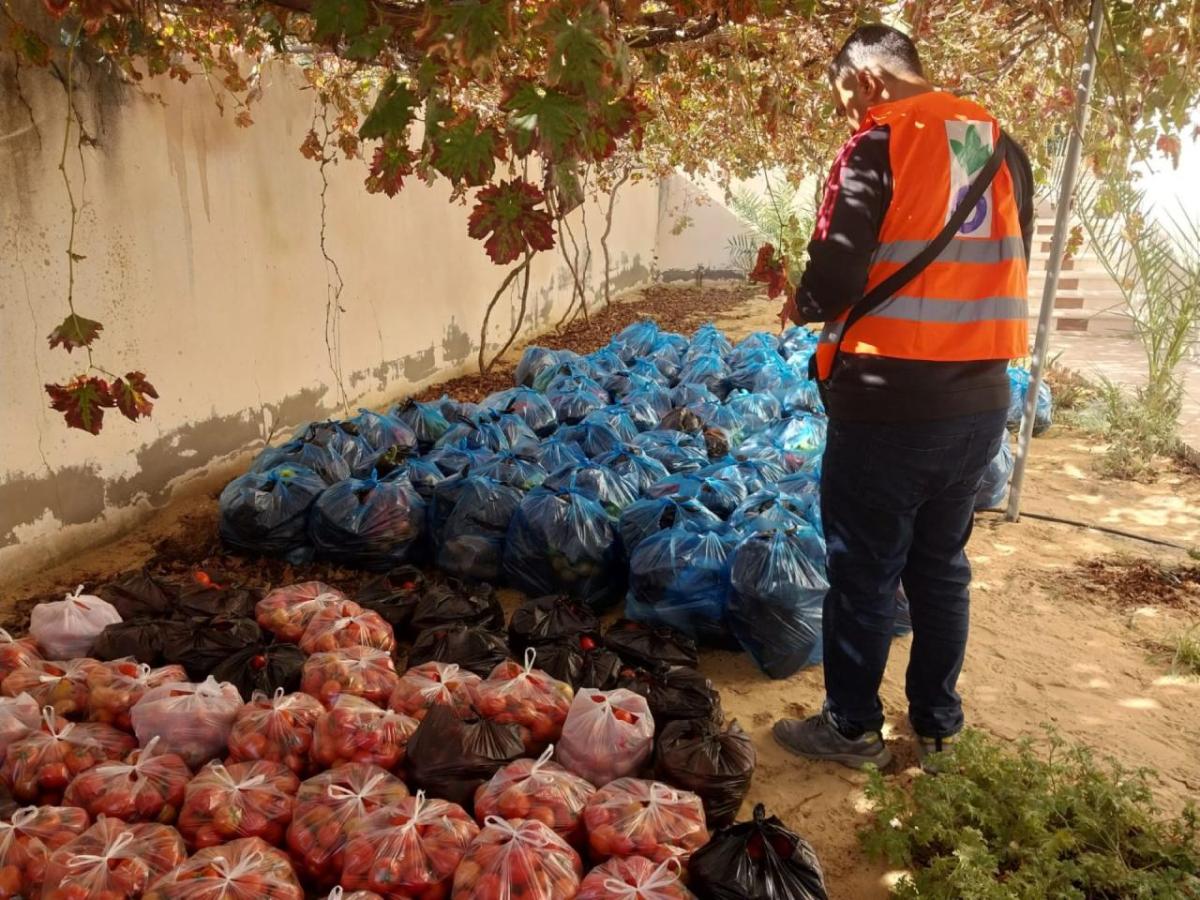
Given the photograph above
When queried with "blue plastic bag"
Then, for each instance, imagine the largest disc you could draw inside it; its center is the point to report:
(423, 474)
(452, 460)
(680, 578)
(331, 466)
(708, 370)
(368, 523)
(668, 361)
(806, 489)
(598, 482)
(755, 411)
(382, 430)
(519, 435)
(1043, 410)
(593, 438)
(425, 419)
(651, 515)
(635, 341)
(515, 470)
(574, 396)
(721, 496)
(995, 479)
(638, 468)
(801, 396)
(475, 434)
(534, 408)
(534, 361)
(267, 512)
(563, 542)
(615, 417)
(797, 340)
(672, 341)
(775, 603)
(556, 454)
(337, 438)
(801, 440)
(646, 407)
(761, 372)
(685, 394)
(383, 462)
(455, 410)
(570, 368)
(677, 451)
(644, 368)
(472, 536)
(605, 361)
(709, 339)
(769, 510)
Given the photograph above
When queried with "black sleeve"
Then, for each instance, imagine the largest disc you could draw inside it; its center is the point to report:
(1022, 178)
(847, 233)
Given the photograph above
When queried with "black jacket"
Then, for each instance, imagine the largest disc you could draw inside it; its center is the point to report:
(875, 388)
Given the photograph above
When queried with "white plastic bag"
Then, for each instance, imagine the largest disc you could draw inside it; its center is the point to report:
(607, 735)
(66, 628)
(19, 715)
(191, 719)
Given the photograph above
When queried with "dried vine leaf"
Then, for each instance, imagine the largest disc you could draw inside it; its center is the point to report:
(82, 401)
(133, 393)
(507, 218)
(392, 161)
(770, 270)
(75, 331)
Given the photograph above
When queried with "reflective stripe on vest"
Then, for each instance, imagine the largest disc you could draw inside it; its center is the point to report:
(970, 302)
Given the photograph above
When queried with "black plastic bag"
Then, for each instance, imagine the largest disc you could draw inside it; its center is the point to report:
(200, 645)
(263, 667)
(137, 594)
(471, 540)
(545, 620)
(468, 646)
(450, 758)
(674, 693)
(267, 512)
(393, 595)
(368, 523)
(649, 646)
(581, 662)
(209, 600)
(762, 859)
(141, 637)
(718, 764)
(455, 602)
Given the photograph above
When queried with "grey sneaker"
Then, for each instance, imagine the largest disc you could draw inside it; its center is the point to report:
(818, 738)
(929, 750)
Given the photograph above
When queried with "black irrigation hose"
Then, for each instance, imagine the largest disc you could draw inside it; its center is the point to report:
(1104, 528)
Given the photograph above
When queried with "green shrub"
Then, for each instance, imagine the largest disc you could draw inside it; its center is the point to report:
(1023, 825)
(1140, 428)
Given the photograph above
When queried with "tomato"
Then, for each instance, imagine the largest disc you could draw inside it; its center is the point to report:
(345, 625)
(638, 877)
(522, 859)
(39, 766)
(365, 672)
(606, 735)
(28, 839)
(631, 816)
(527, 697)
(116, 686)
(61, 684)
(356, 730)
(246, 867)
(286, 611)
(278, 729)
(112, 860)
(537, 789)
(432, 683)
(246, 799)
(142, 788)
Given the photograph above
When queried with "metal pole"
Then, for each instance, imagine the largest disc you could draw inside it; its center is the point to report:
(1062, 219)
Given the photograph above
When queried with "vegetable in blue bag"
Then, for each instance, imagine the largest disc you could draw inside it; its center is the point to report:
(382, 430)
(338, 437)
(423, 474)
(615, 417)
(756, 411)
(521, 471)
(709, 339)
(680, 578)
(668, 361)
(472, 537)
(383, 462)
(527, 403)
(646, 408)
(776, 601)
(677, 451)
(563, 542)
(708, 370)
(644, 368)
(331, 466)
(770, 510)
(598, 482)
(636, 466)
(556, 454)
(368, 523)
(685, 394)
(453, 459)
(995, 479)
(651, 515)
(534, 361)
(605, 361)
(481, 432)
(593, 438)
(635, 341)
(573, 397)
(267, 512)
(425, 419)
(801, 439)
(721, 496)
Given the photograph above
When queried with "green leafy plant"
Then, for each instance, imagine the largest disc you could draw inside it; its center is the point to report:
(1028, 825)
(782, 218)
(1180, 650)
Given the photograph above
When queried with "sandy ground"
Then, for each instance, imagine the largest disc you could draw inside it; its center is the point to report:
(1044, 649)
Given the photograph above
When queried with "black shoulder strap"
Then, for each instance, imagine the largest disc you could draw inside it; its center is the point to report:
(910, 270)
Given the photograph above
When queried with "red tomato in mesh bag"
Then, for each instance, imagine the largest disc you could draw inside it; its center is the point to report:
(17, 653)
(522, 858)
(336, 628)
(411, 849)
(19, 715)
(434, 683)
(277, 729)
(634, 817)
(38, 767)
(362, 671)
(61, 684)
(607, 735)
(634, 878)
(250, 799)
(117, 686)
(537, 789)
(526, 697)
(286, 611)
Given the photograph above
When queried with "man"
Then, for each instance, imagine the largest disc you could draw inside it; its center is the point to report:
(916, 391)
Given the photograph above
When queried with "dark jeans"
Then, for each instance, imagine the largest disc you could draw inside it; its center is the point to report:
(898, 503)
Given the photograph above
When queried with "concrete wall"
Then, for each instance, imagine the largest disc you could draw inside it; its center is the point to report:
(203, 262)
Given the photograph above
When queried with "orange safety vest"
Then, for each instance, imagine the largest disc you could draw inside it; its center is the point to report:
(970, 302)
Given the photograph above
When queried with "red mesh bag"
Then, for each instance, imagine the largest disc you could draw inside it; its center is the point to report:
(143, 788)
(526, 697)
(356, 730)
(537, 789)
(61, 684)
(38, 767)
(112, 860)
(335, 628)
(362, 671)
(250, 799)
(116, 686)
(517, 859)
(286, 611)
(432, 683)
(277, 729)
(327, 807)
(634, 817)
(408, 850)
(245, 869)
(26, 842)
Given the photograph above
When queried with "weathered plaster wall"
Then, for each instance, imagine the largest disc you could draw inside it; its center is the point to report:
(204, 264)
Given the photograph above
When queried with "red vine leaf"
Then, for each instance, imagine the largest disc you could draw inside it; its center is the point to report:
(507, 219)
(311, 147)
(131, 394)
(469, 32)
(466, 151)
(393, 160)
(82, 401)
(57, 8)
(75, 331)
(242, 119)
(770, 270)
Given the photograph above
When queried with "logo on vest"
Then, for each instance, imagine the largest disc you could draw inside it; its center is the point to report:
(970, 146)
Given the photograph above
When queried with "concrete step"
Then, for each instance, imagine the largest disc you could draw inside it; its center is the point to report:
(1081, 322)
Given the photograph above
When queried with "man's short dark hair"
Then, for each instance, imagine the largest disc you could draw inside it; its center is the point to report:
(876, 45)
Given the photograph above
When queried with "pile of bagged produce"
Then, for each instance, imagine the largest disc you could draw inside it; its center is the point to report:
(543, 757)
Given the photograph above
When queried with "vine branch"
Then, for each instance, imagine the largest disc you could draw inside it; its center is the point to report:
(523, 266)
